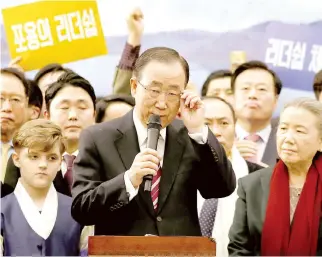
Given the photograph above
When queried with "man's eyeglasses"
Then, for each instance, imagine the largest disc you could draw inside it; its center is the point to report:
(154, 92)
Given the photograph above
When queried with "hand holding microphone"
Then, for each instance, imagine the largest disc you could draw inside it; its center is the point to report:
(146, 163)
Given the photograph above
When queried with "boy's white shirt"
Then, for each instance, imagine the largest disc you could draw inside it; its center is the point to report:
(44, 222)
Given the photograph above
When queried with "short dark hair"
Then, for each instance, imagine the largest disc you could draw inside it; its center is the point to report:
(19, 75)
(106, 101)
(160, 54)
(219, 74)
(35, 95)
(69, 78)
(52, 67)
(224, 101)
(317, 84)
(253, 65)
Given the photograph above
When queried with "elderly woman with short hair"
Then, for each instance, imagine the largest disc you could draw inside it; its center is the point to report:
(279, 208)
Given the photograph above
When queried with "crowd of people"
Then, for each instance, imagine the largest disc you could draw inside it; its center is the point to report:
(73, 164)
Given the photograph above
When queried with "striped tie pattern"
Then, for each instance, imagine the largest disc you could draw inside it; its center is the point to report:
(155, 189)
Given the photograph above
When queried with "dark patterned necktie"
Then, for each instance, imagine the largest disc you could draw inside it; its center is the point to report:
(69, 160)
(207, 216)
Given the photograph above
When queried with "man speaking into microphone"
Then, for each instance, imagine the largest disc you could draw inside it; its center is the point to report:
(110, 172)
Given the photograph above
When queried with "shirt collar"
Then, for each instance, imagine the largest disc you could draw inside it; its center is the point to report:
(264, 133)
(74, 153)
(42, 223)
(142, 131)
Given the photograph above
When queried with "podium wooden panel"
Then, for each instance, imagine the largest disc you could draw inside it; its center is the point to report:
(150, 246)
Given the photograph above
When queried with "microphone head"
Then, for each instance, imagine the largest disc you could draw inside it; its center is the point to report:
(154, 121)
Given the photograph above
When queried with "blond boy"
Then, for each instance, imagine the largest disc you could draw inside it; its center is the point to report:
(35, 219)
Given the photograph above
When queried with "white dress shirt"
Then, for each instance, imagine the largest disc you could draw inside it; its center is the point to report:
(63, 166)
(241, 134)
(142, 133)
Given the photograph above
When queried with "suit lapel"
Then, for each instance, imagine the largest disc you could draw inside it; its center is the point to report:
(127, 143)
(173, 151)
(270, 153)
(61, 184)
(12, 174)
(128, 147)
(265, 182)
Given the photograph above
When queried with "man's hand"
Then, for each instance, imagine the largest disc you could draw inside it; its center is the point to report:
(192, 111)
(135, 26)
(15, 64)
(145, 163)
(247, 148)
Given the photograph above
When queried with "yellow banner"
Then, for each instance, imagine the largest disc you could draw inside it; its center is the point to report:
(46, 32)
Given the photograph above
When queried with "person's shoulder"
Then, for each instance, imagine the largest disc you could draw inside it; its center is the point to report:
(275, 121)
(64, 199)
(254, 179)
(6, 202)
(65, 203)
(178, 125)
(104, 128)
(253, 166)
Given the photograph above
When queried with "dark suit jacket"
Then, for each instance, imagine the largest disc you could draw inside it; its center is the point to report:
(270, 153)
(108, 149)
(10, 179)
(13, 174)
(245, 232)
(253, 167)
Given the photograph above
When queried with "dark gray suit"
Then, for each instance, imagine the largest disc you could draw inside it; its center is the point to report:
(108, 149)
(270, 154)
(245, 232)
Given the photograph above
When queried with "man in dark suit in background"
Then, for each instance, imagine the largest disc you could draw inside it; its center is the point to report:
(70, 103)
(35, 101)
(256, 90)
(108, 191)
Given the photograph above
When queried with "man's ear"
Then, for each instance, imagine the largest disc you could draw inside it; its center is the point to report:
(46, 115)
(134, 85)
(34, 112)
(16, 160)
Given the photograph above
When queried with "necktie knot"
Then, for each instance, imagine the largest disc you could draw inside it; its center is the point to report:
(253, 137)
(69, 159)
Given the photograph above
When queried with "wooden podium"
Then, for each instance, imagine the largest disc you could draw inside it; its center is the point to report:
(150, 246)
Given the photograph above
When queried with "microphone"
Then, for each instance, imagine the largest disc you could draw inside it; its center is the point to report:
(154, 127)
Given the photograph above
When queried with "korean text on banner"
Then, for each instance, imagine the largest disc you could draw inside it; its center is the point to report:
(46, 32)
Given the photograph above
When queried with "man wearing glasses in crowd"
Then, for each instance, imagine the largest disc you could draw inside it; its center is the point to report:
(113, 159)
